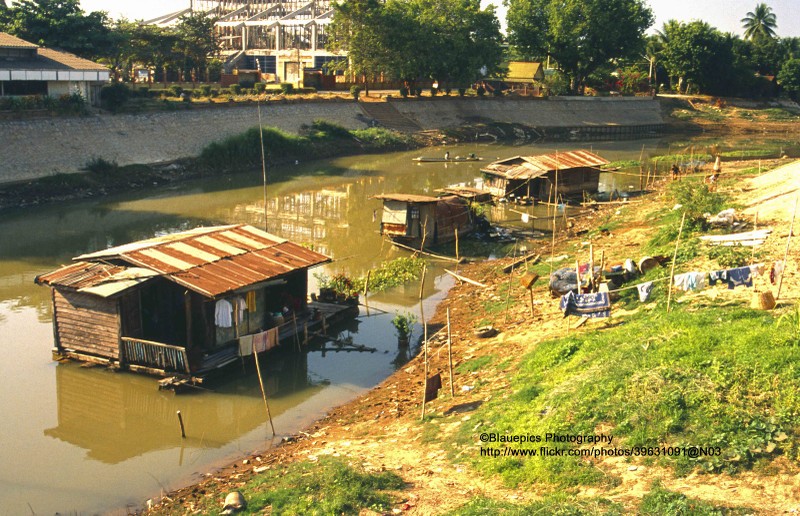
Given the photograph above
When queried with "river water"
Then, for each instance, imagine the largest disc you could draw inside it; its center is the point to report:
(87, 440)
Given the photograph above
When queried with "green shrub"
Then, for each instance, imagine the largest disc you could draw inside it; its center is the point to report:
(404, 92)
(214, 92)
(462, 92)
(204, 90)
(236, 89)
(114, 96)
(175, 90)
(355, 91)
(157, 93)
(305, 90)
(260, 87)
(100, 166)
(287, 88)
(481, 91)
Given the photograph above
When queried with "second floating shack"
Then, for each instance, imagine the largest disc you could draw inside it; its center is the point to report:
(534, 177)
(417, 220)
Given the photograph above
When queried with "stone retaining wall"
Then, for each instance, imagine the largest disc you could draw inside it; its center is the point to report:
(35, 148)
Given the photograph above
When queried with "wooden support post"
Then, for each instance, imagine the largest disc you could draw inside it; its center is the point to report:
(674, 256)
(296, 332)
(263, 390)
(457, 257)
(305, 334)
(578, 274)
(786, 254)
(591, 267)
(450, 354)
(183, 430)
(324, 324)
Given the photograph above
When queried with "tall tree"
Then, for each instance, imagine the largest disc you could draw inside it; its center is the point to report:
(581, 35)
(197, 42)
(699, 56)
(760, 23)
(60, 24)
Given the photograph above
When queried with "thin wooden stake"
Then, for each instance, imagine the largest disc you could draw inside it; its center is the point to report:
(510, 277)
(263, 391)
(296, 332)
(183, 430)
(578, 274)
(422, 281)
(458, 259)
(786, 254)
(425, 356)
(672, 270)
(450, 354)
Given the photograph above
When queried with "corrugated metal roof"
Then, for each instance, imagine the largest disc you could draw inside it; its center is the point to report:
(531, 167)
(407, 198)
(210, 261)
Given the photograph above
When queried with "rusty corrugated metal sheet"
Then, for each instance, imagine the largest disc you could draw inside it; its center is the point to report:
(531, 167)
(210, 261)
(407, 198)
(79, 275)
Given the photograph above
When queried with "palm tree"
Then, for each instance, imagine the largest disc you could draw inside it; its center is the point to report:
(760, 23)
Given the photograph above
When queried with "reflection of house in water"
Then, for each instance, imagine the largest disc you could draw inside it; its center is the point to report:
(318, 216)
(116, 418)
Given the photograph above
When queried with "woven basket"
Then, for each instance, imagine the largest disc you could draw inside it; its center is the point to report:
(762, 300)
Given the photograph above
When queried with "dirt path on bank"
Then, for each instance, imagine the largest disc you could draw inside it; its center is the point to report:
(382, 430)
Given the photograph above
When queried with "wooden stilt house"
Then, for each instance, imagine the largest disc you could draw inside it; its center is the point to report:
(187, 303)
(415, 220)
(565, 174)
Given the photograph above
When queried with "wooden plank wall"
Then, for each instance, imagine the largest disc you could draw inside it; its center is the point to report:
(87, 323)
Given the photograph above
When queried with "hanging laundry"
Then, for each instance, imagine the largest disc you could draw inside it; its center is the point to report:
(246, 346)
(690, 281)
(739, 276)
(222, 314)
(776, 271)
(432, 386)
(586, 305)
(715, 276)
(241, 306)
(250, 300)
(260, 342)
(644, 290)
(272, 337)
(757, 269)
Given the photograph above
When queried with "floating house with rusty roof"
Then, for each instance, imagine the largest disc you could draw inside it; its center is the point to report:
(186, 304)
(566, 174)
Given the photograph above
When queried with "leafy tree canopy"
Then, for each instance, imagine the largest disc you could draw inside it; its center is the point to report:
(58, 24)
(580, 35)
(789, 78)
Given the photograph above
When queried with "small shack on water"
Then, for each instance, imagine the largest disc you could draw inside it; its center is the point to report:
(415, 220)
(186, 304)
(566, 174)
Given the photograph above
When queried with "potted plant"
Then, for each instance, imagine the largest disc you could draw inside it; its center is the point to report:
(404, 327)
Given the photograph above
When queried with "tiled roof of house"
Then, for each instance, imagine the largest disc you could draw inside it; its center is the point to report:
(45, 58)
(9, 41)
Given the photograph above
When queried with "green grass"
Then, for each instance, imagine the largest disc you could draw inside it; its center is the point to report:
(660, 501)
(329, 486)
(780, 114)
(723, 378)
(560, 504)
(476, 364)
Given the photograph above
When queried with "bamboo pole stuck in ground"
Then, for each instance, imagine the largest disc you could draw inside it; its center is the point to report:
(672, 269)
(422, 281)
(183, 430)
(508, 292)
(457, 257)
(450, 354)
(263, 391)
(296, 332)
(786, 254)
(425, 356)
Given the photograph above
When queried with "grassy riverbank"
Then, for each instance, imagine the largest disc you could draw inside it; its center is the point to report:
(706, 396)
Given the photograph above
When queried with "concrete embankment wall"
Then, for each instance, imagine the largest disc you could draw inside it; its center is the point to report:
(31, 149)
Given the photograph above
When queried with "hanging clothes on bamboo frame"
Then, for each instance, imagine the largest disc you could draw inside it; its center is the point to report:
(223, 314)
(586, 305)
